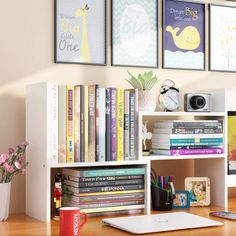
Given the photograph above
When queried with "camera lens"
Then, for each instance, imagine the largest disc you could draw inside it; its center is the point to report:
(197, 102)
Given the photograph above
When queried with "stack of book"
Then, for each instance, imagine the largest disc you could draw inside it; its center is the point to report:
(103, 190)
(95, 124)
(185, 137)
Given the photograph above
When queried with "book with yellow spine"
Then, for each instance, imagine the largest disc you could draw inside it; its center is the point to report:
(69, 123)
(120, 125)
(86, 110)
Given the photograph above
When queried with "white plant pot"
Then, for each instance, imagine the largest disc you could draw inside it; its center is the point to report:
(5, 190)
(147, 100)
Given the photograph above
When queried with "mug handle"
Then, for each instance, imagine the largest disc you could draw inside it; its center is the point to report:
(84, 220)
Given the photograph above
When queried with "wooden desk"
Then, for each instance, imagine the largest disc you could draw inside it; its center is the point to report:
(21, 225)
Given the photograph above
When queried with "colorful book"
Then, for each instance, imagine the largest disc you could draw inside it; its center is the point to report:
(108, 193)
(70, 124)
(92, 123)
(188, 130)
(77, 123)
(127, 126)
(120, 125)
(186, 136)
(104, 172)
(113, 124)
(188, 152)
(101, 125)
(62, 123)
(108, 125)
(86, 117)
(132, 134)
(82, 155)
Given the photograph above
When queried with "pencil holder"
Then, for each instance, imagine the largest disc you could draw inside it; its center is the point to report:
(162, 199)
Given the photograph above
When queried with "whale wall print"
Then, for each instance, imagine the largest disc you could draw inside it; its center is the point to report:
(183, 35)
(80, 31)
(222, 38)
(134, 33)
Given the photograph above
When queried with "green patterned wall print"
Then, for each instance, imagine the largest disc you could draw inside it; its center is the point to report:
(134, 33)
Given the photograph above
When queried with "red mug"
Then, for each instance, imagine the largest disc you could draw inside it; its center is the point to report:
(70, 224)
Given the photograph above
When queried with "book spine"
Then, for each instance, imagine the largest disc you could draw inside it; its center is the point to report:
(62, 123)
(77, 123)
(101, 124)
(86, 203)
(198, 140)
(186, 145)
(70, 125)
(108, 178)
(186, 136)
(132, 126)
(126, 126)
(110, 183)
(104, 172)
(111, 188)
(188, 131)
(82, 159)
(197, 151)
(190, 124)
(113, 124)
(194, 147)
(117, 208)
(111, 197)
(120, 125)
(113, 204)
(110, 193)
(108, 126)
(86, 107)
(92, 124)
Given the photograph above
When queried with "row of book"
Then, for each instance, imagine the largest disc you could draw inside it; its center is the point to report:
(187, 137)
(92, 123)
(104, 190)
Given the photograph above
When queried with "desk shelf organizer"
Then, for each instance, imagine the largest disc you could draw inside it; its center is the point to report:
(39, 175)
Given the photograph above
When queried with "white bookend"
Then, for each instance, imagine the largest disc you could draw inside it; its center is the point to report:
(62, 123)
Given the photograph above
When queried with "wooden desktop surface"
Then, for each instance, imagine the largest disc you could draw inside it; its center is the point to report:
(22, 225)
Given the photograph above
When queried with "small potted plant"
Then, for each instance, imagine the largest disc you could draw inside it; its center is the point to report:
(147, 96)
(11, 164)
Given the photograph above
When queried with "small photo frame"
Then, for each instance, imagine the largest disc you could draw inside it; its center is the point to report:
(134, 33)
(80, 32)
(182, 199)
(199, 189)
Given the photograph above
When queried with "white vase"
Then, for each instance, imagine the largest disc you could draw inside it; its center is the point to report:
(147, 100)
(5, 190)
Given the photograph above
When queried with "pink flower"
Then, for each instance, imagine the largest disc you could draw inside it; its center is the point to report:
(11, 150)
(18, 165)
(3, 158)
(8, 168)
(23, 145)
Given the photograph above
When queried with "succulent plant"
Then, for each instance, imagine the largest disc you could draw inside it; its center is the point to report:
(145, 81)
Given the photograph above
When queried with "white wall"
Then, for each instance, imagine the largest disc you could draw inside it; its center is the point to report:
(26, 56)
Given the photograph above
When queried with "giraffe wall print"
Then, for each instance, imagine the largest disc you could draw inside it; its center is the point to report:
(85, 51)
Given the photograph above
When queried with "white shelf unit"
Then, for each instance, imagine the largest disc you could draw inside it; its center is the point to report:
(39, 182)
(212, 166)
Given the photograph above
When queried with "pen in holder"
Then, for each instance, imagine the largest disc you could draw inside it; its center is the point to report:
(162, 199)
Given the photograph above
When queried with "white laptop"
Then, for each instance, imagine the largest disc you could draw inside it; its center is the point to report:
(160, 222)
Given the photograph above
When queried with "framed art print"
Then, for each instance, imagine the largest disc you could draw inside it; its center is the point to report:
(183, 35)
(232, 142)
(80, 31)
(222, 38)
(134, 33)
(199, 189)
(182, 199)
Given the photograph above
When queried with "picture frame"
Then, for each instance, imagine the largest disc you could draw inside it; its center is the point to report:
(183, 35)
(222, 36)
(231, 142)
(80, 32)
(199, 189)
(134, 33)
(181, 200)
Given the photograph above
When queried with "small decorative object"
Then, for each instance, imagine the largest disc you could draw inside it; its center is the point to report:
(145, 135)
(182, 199)
(232, 142)
(134, 33)
(184, 35)
(199, 189)
(197, 102)
(80, 31)
(169, 96)
(57, 195)
(147, 97)
(222, 38)
(11, 164)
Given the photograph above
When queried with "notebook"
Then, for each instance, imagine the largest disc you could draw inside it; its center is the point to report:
(160, 222)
